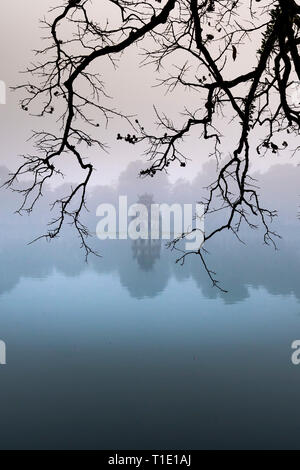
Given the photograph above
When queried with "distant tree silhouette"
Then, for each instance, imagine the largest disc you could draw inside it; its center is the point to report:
(205, 40)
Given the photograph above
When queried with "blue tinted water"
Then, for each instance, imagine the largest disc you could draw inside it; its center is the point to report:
(134, 351)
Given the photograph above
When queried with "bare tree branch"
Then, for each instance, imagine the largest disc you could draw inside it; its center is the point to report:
(209, 36)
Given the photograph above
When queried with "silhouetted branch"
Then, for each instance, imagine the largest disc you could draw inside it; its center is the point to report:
(204, 39)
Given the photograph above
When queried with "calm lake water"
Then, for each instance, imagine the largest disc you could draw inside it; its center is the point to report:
(135, 352)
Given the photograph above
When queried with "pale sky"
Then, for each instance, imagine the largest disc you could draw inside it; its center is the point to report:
(131, 88)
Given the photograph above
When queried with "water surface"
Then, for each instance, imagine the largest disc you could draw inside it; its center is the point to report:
(134, 351)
